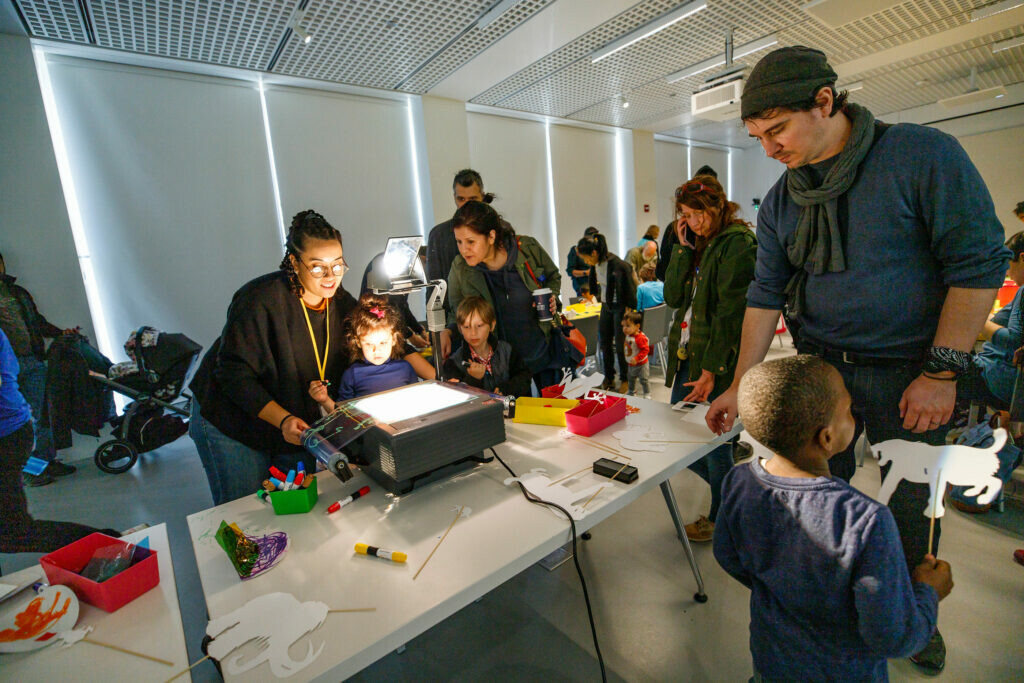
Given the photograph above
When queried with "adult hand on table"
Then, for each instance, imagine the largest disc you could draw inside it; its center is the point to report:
(927, 404)
(292, 429)
(702, 387)
(722, 413)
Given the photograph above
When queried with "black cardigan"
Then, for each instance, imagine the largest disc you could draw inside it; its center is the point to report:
(621, 286)
(265, 354)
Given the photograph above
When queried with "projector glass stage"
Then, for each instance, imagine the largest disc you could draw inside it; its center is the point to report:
(414, 400)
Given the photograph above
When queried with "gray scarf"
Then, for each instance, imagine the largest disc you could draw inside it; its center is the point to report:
(817, 245)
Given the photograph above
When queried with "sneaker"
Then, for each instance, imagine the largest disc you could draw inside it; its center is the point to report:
(57, 468)
(741, 451)
(700, 531)
(647, 395)
(35, 480)
(932, 659)
(607, 384)
(623, 388)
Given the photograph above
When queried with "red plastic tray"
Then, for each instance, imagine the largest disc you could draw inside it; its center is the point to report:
(591, 416)
(62, 567)
(554, 391)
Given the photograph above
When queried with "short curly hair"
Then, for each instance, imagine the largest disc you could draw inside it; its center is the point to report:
(374, 312)
(784, 403)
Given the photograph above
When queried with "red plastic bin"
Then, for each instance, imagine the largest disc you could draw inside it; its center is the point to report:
(554, 391)
(63, 567)
(591, 416)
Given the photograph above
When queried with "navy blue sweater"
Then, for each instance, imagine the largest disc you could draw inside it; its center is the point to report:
(362, 378)
(831, 597)
(917, 220)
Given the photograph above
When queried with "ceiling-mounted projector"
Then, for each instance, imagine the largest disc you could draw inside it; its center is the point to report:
(719, 98)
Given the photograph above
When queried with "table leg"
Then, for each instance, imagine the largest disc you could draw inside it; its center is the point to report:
(673, 510)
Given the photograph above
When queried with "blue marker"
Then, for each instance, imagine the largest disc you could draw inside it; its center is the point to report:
(288, 480)
(278, 484)
(301, 466)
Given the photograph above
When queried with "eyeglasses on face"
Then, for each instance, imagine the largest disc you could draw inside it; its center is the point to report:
(318, 271)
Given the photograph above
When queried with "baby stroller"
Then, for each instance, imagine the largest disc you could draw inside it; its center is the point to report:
(153, 379)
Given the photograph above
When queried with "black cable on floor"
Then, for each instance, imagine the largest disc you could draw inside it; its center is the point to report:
(575, 559)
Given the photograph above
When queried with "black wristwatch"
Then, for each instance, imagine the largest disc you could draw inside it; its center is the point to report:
(944, 359)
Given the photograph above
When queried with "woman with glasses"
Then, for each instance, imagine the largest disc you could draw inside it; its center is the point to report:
(708, 275)
(284, 330)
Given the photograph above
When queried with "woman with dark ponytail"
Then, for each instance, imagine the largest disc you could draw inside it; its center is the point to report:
(284, 330)
(504, 269)
(611, 280)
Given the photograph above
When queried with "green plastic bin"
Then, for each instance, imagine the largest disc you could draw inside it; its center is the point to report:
(294, 502)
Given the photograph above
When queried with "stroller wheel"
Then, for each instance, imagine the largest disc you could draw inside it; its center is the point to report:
(115, 456)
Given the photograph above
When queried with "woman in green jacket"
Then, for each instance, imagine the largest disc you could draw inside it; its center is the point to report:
(504, 269)
(708, 274)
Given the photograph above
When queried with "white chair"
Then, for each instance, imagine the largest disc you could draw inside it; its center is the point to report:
(656, 320)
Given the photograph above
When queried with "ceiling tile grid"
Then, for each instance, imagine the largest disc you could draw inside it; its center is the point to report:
(577, 49)
(238, 34)
(472, 43)
(56, 19)
(375, 44)
(582, 84)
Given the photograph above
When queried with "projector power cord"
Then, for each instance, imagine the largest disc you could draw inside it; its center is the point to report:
(575, 558)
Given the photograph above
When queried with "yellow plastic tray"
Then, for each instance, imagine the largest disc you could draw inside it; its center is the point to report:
(543, 411)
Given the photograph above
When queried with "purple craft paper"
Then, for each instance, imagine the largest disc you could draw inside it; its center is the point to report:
(272, 548)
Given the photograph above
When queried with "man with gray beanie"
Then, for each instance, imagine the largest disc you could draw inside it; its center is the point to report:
(881, 245)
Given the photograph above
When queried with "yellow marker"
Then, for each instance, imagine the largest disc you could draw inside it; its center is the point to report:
(393, 555)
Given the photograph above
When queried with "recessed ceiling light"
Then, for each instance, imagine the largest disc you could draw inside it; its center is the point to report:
(649, 29)
(718, 60)
(995, 8)
(1007, 44)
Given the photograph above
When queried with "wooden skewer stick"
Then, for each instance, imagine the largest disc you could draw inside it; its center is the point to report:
(664, 441)
(353, 609)
(593, 496)
(570, 476)
(935, 505)
(624, 466)
(457, 515)
(602, 446)
(129, 652)
(185, 671)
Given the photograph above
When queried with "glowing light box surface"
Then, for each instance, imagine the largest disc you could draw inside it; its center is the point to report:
(414, 400)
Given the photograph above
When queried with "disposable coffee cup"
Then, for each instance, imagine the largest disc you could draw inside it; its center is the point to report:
(542, 302)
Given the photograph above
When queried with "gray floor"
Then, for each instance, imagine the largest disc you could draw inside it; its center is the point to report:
(535, 626)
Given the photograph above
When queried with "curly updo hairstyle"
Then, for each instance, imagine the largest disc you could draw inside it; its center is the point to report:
(305, 225)
(374, 312)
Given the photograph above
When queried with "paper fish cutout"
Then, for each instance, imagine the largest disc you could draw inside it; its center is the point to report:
(36, 624)
(537, 482)
(938, 466)
(275, 621)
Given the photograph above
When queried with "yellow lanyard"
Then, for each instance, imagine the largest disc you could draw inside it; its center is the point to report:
(321, 367)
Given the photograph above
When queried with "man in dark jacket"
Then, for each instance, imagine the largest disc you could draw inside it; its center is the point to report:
(441, 248)
(27, 329)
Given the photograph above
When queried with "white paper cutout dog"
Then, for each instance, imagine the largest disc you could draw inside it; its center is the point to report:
(937, 466)
(537, 482)
(275, 620)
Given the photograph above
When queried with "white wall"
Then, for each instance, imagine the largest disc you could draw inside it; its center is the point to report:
(35, 233)
(999, 157)
(173, 181)
(671, 171)
(583, 173)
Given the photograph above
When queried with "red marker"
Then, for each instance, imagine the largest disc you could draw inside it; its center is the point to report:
(298, 479)
(274, 472)
(345, 501)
